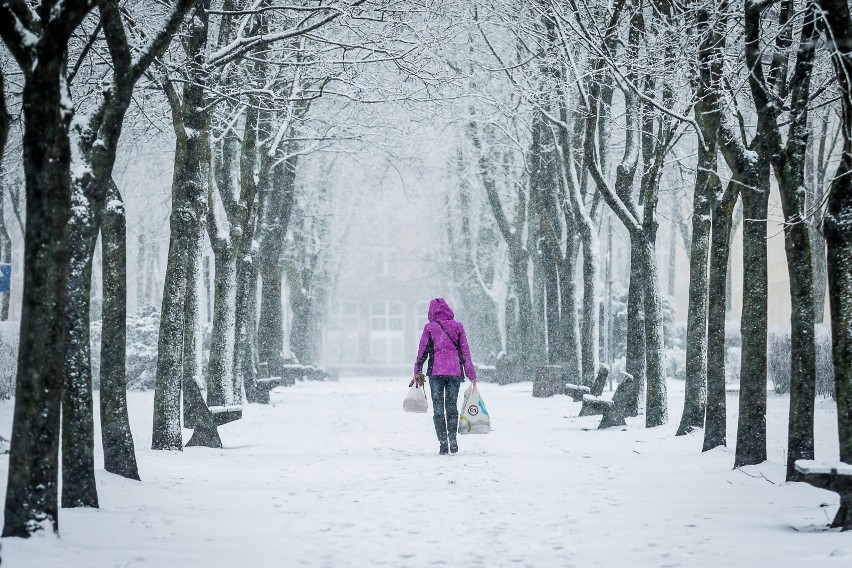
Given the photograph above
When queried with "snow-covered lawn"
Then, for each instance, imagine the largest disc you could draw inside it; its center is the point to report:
(335, 474)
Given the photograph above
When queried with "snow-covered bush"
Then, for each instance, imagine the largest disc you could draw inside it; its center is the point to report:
(143, 331)
(824, 361)
(676, 363)
(733, 361)
(778, 360)
(618, 331)
(141, 364)
(8, 365)
(676, 351)
(673, 334)
(8, 357)
(733, 351)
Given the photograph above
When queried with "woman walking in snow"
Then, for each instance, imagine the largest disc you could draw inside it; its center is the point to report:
(444, 344)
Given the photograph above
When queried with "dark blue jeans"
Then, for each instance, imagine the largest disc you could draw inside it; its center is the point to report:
(445, 396)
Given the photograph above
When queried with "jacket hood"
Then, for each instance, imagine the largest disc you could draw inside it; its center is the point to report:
(439, 310)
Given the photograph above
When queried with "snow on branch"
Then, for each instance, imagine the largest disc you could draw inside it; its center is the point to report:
(243, 44)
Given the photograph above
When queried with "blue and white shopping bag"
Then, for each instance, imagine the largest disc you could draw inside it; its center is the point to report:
(474, 417)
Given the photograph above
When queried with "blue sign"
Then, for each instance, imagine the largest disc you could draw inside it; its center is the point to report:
(5, 277)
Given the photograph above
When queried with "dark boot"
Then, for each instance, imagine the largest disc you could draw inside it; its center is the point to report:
(441, 430)
(452, 426)
(452, 423)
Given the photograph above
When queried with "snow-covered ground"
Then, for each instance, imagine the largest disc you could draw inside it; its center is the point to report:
(335, 474)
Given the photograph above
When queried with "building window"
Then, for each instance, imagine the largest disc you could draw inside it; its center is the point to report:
(386, 332)
(341, 345)
(422, 315)
(343, 315)
(386, 316)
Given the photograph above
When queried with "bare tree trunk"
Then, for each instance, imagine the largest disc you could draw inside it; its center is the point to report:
(5, 241)
(78, 427)
(244, 317)
(528, 348)
(220, 367)
(715, 424)
(220, 381)
(142, 296)
(656, 405)
(5, 255)
(696, 320)
(302, 314)
(635, 355)
(117, 439)
(736, 221)
(167, 393)
(555, 343)
(818, 163)
(31, 494)
(189, 209)
(838, 227)
(590, 338)
(789, 166)
(191, 372)
(751, 431)
(273, 233)
(672, 267)
(191, 121)
(570, 323)
(753, 171)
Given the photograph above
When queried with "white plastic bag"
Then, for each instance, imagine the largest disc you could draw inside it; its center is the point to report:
(474, 417)
(415, 400)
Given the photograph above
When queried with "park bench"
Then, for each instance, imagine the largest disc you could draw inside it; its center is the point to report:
(283, 374)
(577, 392)
(835, 477)
(227, 413)
(486, 373)
(612, 411)
(205, 420)
(590, 406)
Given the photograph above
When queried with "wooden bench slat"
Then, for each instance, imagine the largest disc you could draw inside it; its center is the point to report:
(227, 408)
(592, 399)
(833, 468)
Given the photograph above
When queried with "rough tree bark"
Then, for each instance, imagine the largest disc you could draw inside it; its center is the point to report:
(97, 141)
(189, 207)
(31, 494)
(220, 379)
(837, 225)
(750, 169)
(655, 146)
(243, 240)
(715, 424)
(527, 350)
(696, 319)
(119, 454)
(634, 363)
(273, 232)
(788, 162)
(5, 241)
(709, 72)
(816, 168)
(708, 190)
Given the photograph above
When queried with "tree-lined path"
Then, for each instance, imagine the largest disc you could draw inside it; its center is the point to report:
(335, 474)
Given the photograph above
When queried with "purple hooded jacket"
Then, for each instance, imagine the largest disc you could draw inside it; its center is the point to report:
(441, 345)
